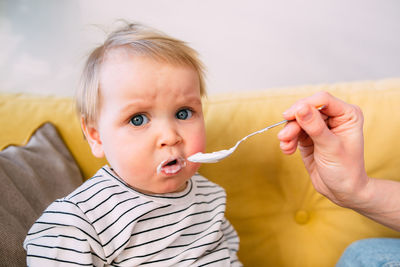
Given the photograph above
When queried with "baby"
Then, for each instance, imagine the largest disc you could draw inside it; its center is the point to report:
(140, 107)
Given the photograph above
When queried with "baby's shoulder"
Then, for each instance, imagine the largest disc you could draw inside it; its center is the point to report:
(88, 195)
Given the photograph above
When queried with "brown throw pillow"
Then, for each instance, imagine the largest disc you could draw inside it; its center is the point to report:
(31, 177)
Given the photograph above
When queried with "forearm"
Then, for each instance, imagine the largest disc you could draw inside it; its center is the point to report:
(380, 201)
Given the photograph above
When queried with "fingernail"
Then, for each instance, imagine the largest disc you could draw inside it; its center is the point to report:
(288, 114)
(304, 113)
(285, 113)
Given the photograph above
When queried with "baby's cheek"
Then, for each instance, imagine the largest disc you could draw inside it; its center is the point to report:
(198, 144)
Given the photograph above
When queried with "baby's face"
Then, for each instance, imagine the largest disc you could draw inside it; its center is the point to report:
(150, 121)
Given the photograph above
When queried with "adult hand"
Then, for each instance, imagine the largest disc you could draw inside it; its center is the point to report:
(331, 145)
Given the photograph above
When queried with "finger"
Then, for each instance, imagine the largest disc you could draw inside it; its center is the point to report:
(289, 147)
(293, 130)
(311, 121)
(305, 140)
(333, 106)
(290, 131)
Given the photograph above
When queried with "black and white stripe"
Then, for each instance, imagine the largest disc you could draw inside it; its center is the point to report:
(106, 222)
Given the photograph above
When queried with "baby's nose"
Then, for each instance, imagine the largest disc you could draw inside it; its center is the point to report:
(169, 136)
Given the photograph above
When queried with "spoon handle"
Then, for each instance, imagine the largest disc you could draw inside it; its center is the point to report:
(265, 129)
(281, 122)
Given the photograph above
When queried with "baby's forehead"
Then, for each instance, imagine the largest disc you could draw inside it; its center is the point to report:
(126, 52)
(122, 67)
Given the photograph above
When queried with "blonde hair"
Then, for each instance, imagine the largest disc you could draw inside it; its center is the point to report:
(140, 40)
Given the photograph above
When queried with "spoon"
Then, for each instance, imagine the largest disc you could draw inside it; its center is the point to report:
(221, 154)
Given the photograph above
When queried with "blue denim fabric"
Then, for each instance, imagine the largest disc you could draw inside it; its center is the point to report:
(373, 252)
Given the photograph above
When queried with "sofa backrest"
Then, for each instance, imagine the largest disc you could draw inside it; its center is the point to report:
(280, 218)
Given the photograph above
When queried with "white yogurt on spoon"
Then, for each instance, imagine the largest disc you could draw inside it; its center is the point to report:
(209, 157)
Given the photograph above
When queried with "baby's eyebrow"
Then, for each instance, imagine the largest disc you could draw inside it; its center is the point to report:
(134, 105)
(192, 100)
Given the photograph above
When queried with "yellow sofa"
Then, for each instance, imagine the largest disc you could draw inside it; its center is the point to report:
(280, 218)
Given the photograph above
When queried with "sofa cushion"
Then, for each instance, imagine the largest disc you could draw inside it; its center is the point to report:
(31, 111)
(31, 177)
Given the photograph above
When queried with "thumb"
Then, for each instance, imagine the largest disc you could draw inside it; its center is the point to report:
(311, 121)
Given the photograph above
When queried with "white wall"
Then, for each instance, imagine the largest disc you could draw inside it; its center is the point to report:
(246, 45)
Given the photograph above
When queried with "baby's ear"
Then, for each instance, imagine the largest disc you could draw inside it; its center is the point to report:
(93, 137)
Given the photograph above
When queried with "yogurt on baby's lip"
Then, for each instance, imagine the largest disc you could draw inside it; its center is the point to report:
(171, 165)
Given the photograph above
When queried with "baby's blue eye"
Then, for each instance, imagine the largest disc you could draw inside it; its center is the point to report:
(184, 114)
(139, 120)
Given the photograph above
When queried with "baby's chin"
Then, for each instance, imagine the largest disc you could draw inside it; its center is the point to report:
(166, 183)
(169, 185)
(176, 189)
(179, 183)
(166, 189)
(180, 186)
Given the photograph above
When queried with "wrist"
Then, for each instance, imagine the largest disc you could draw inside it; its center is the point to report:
(379, 201)
(364, 195)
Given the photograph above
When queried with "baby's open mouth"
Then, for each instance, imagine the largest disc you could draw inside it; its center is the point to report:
(171, 163)
(171, 166)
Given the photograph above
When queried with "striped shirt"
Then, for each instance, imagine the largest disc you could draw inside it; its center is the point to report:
(105, 222)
